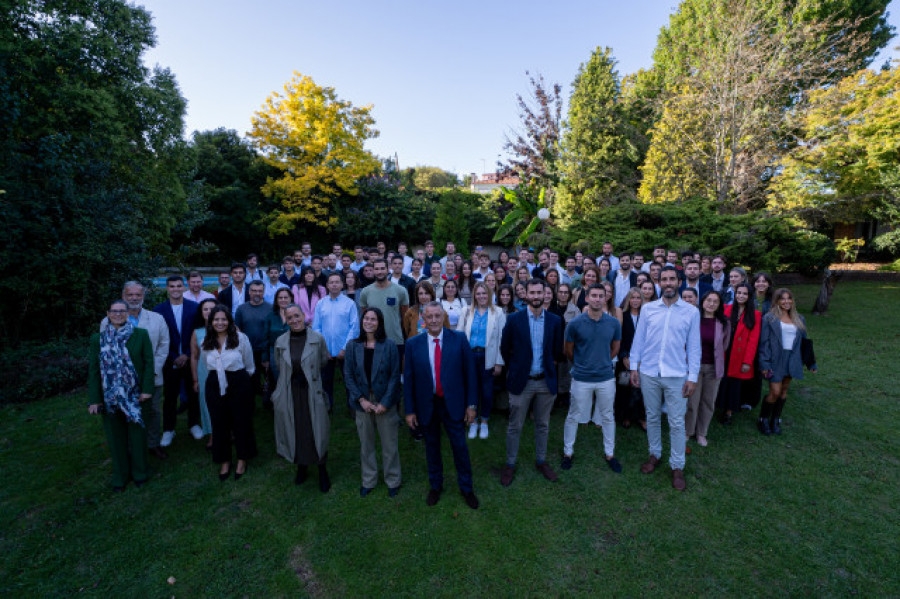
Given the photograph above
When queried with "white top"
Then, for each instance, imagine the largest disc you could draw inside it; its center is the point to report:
(431, 345)
(667, 340)
(177, 311)
(237, 298)
(229, 360)
(453, 310)
(788, 334)
(198, 297)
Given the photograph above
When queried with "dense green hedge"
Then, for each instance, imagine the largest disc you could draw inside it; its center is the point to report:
(38, 370)
(756, 239)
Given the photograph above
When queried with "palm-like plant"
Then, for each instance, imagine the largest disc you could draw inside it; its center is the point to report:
(529, 208)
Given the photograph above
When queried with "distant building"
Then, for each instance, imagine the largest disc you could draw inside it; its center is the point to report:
(491, 181)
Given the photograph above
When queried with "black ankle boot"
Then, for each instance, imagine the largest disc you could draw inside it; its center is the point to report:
(324, 481)
(776, 417)
(301, 474)
(762, 423)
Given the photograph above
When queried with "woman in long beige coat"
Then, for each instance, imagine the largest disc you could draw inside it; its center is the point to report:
(302, 422)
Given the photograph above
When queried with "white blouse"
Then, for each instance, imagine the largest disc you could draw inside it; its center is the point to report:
(454, 310)
(229, 360)
(788, 334)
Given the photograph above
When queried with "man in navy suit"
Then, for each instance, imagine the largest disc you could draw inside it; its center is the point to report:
(693, 280)
(440, 386)
(531, 345)
(237, 293)
(179, 315)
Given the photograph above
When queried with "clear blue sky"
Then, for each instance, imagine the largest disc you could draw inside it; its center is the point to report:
(442, 76)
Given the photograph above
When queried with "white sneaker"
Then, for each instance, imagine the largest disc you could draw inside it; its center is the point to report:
(483, 430)
(196, 432)
(167, 438)
(473, 430)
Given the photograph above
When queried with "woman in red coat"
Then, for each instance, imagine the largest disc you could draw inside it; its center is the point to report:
(745, 326)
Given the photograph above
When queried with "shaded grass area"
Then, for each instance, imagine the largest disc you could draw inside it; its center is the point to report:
(813, 512)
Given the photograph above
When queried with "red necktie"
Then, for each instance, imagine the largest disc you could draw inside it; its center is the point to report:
(438, 390)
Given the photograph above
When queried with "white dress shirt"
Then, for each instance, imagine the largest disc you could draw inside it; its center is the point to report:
(667, 340)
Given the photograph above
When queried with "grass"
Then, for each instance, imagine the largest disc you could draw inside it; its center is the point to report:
(813, 512)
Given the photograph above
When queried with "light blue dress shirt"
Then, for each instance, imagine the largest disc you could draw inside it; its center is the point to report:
(337, 320)
(667, 340)
(537, 342)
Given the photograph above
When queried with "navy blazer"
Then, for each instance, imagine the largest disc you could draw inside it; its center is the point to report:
(515, 347)
(224, 296)
(179, 344)
(702, 288)
(458, 378)
(385, 385)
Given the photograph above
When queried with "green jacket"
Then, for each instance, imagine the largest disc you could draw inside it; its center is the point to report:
(141, 352)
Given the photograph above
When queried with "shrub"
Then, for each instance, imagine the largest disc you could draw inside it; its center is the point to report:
(37, 370)
(756, 239)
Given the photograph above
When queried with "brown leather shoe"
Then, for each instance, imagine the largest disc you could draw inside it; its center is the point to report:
(506, 475)
(650, 465)
(547, 471)
(678, 482)
(159, 452)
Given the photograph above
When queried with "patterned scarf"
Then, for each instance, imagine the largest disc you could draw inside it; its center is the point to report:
(120, 384)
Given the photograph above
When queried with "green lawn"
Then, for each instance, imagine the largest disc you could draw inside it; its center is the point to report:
(813, 512)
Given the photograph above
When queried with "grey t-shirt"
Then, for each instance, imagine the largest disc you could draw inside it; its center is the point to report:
(251, 320)
(388, 300)
(592, 339)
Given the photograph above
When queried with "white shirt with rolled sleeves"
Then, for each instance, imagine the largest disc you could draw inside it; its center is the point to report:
(667, 341)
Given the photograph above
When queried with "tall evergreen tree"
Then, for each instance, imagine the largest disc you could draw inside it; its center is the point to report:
(601, 149)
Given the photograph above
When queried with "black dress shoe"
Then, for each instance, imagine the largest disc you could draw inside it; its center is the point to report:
(393, 492)
(324, 481)
(363, 491)
(471, 500)
(301, 474)
(434, 495)
(159, 452)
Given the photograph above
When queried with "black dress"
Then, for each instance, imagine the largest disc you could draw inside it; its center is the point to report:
(304, 441)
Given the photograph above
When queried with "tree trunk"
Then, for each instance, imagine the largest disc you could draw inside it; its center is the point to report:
(824, 297)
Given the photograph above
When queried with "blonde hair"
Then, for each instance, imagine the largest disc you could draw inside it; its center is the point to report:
(777, 312)
(625, 306)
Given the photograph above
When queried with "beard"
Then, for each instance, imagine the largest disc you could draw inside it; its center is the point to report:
(669, 292)
(135, 305)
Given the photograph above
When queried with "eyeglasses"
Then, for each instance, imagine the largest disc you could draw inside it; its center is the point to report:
(118, 311)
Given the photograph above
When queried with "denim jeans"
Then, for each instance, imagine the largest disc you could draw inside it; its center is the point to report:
(657, 389)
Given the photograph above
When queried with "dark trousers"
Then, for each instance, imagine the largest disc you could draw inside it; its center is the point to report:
(328, 380)
(629, 403)
(457, 436)
(231, 414)
(735, 389)
(259, 377)
(173, 379)
(128, 445)
(485, 386)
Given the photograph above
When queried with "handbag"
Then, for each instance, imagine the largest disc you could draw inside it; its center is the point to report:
(624, 378)
(807, 354)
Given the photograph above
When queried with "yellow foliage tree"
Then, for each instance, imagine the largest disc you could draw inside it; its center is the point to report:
(317, 140)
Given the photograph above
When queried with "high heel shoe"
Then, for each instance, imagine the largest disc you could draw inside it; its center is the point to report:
(223, 476)
(238, 475)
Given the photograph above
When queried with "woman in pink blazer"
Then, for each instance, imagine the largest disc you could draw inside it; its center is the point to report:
(308, 293)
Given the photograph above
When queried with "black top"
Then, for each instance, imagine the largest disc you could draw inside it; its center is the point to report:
(368, 359)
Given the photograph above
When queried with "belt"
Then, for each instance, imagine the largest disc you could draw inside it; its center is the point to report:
(478, 350)
(536, 377)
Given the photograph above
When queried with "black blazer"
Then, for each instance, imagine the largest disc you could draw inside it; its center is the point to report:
(224, 296)
(628, 329)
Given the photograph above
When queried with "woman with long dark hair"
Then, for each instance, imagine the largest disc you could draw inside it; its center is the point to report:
(744, 320)
(372, 377)
(630, 399)
(308, 293)
(351, 284)
(229, 394)
(781, 358)
(591, 276)
(302, 422)
(198, 367)
(120, 383)
(466, 282)
(506, 297)
(763, 285)
(714, 338)
(414, 319)
(452, 303)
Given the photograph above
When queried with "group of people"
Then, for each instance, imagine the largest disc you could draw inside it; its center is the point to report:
(431, 340)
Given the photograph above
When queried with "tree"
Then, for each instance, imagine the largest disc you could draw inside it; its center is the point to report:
(232, 175)
(534, 151)
(526, 201)
(317, 141)
(450, 222)
(742, 70)
(847, 164)
(92, 160)
(432, 177)
(601, 151)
